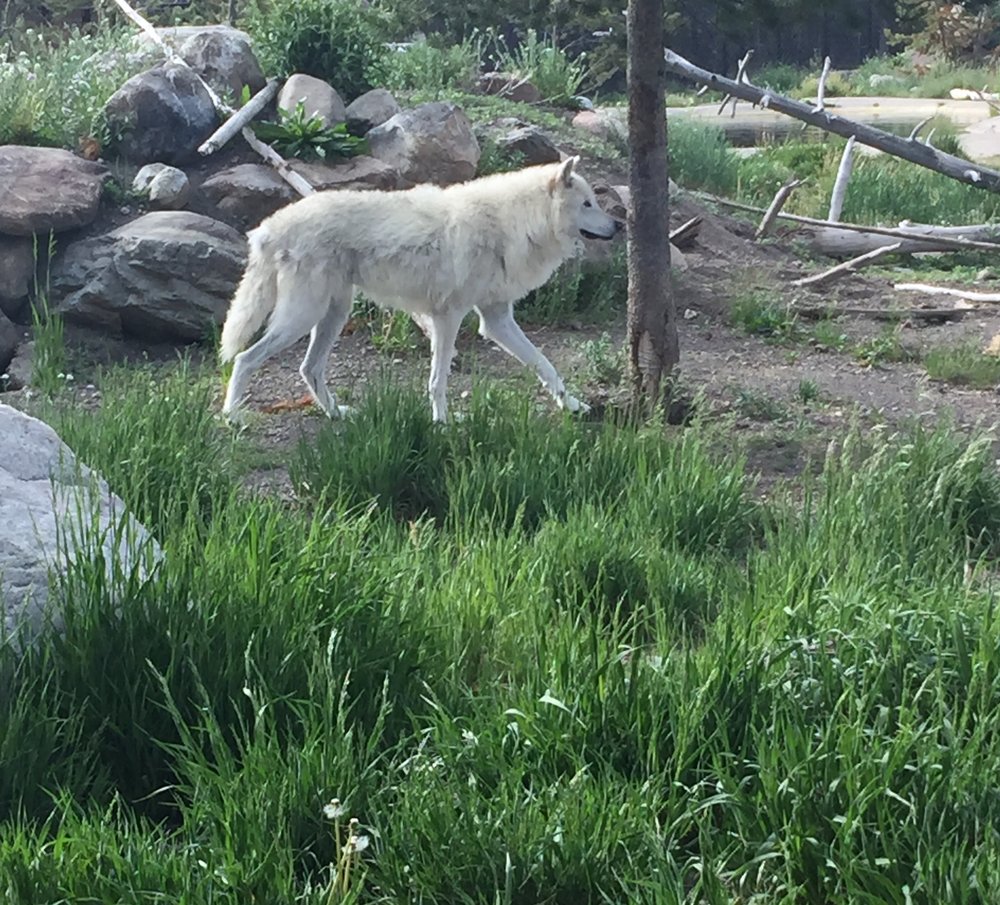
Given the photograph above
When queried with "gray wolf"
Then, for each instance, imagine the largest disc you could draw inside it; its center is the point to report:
(435, 253)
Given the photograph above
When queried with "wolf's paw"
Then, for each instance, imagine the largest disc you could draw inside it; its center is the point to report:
(344, 411)
(572, 404)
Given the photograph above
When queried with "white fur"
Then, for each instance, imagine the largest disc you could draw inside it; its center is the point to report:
(433, 252)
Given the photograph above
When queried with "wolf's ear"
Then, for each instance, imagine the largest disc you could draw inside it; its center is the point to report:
(564, 175)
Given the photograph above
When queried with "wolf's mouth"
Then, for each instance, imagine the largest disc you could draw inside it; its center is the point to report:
(587, 234)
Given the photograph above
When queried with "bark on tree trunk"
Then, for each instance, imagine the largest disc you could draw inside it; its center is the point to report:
(652, 322)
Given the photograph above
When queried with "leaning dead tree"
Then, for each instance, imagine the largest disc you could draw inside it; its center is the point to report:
(652, 318)
(909, 149)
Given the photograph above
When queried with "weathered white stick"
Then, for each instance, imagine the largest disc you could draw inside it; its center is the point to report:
(821, 87)
(847, 266)
(296, 181)
(844, 171)
(948, 290)
(740, 77)
(916, 129)
(771, 214)
(239, 119)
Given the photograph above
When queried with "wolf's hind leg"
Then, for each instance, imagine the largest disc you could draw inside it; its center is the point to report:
(497, 324)
(291, 319)
(321, 342)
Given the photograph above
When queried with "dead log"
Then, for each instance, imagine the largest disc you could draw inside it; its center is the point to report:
(845, 268)
(840, 241)
(915, 152)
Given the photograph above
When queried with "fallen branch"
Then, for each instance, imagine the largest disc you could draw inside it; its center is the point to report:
(948, 290)
(774, 208)
(240, 119)
(931, 158)
(915, 238)
(839, 192)
(823, 312)
(686, 233)
(847, 266)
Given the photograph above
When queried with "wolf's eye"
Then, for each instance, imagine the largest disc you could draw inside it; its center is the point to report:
(587, 204)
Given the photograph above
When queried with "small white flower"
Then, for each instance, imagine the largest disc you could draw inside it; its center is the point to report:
(334, 809)
(358, 844)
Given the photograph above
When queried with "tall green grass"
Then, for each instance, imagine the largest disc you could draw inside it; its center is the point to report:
(537, 659)
(53, 90)
(881, 189)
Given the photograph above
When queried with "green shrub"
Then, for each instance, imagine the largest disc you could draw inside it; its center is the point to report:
(430, 68)
(341, 41)
(543, 63)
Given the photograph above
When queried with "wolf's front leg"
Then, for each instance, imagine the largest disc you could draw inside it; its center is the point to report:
(497, 324)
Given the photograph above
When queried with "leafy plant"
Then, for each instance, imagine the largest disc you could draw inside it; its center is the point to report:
(340, 41)
(298, 135)
(543, 63)
(428, 67)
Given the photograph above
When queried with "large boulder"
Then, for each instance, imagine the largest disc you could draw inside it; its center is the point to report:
(223, 58)
(162, 114)
(248, 193)
(52, 510)
(371, 109)
(317, 98)
(430, 143)
(43, 189)
(10, 338)
(532, 144)
(17, 268)
(167, 276)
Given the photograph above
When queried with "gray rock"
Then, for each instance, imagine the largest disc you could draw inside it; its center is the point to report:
(225, 60)
(318, 98)
(534, 146)
(248, 193)
(505, 84)
(166, 187)
(17, 268)
(354, 173)
(430, 143)
(21, 367)
(43, 189)
(53, 510)
(10, 339)
(369, 110)
(162, 114)
(166, 276)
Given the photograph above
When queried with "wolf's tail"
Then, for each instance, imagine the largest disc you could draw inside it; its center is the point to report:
(255, 298)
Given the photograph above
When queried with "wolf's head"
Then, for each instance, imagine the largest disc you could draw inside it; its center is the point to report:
(577, 205)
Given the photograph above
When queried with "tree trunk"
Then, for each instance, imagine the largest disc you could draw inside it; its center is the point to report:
(652, 322)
